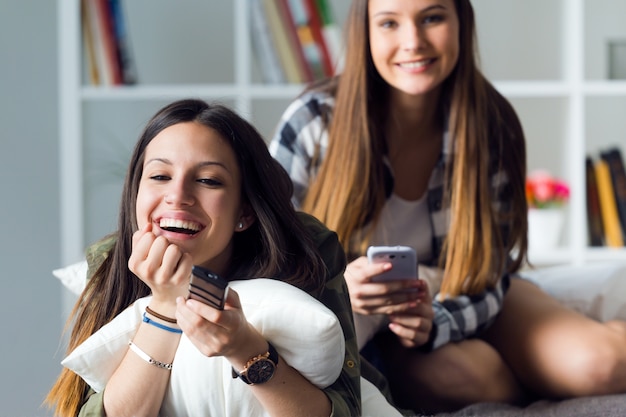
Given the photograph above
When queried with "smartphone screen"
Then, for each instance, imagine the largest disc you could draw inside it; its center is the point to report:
(403, 259)
(207, 287)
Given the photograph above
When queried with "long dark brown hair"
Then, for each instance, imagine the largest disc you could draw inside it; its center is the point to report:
(484, 128)
(277, 245)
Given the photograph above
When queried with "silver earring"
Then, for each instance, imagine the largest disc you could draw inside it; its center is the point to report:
(240, 225)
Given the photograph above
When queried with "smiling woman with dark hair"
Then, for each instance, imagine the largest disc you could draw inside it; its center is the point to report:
(202, 189)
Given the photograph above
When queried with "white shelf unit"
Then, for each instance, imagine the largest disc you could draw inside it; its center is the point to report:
(554, 103)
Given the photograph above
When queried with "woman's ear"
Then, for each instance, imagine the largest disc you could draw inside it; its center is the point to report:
(246, 219)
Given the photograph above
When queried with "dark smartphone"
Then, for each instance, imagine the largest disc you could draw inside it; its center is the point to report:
(207, 287)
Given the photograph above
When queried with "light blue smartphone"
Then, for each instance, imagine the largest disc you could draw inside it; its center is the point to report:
(403, 259)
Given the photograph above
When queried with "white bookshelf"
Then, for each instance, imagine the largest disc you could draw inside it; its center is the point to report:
(535, 51)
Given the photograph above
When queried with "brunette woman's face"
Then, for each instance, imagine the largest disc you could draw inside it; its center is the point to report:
(414, 43)
(190, 191)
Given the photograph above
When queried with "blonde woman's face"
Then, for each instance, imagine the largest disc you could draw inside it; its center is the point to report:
(190, 191)
(414, 43)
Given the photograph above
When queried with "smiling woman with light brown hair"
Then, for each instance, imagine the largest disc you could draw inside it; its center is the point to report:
(412, 145)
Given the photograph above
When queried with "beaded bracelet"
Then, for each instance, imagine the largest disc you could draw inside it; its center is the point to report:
(143, 355)
(146, 319)
(160, 316)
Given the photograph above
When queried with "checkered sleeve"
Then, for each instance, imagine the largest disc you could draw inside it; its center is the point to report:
(300, 136)
(466, 316)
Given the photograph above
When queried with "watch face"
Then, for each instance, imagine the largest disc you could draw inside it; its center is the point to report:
(261, 371)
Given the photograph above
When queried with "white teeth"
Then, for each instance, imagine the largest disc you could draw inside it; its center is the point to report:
(179, 224)
(415, 64)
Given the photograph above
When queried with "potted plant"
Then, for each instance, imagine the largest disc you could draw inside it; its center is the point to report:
(547, 196)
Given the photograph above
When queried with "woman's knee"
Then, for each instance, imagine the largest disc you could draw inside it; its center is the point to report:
(471, 370)
(590, 362)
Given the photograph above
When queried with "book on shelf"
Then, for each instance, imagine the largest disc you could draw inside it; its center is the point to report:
(305, 35)
(282, 42)
(262, 45)
(123, 50)
(105, 39)
(595, 228)
(332, 35)
(610, 219)
(107, 33)
(614, 160)
(290, 25)
(293, 35)
(91, 58)
(95, 26)
(316, 25)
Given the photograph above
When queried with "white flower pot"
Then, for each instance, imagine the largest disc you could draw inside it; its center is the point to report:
(545, 227)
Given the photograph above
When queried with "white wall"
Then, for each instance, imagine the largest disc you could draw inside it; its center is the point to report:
(30, 306)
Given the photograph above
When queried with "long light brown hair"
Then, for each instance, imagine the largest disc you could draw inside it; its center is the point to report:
(349, 191)
(277, 245)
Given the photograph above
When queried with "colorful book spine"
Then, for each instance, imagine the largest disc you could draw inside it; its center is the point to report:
(262, 44)
(283, 45)
(307, 41)
(316, 25)
(288, 19)
(610, 218)
(107, 33)
(332, 34)
(595, 228)
(122, 43)
(614, 159)
(100, 53)
(89, 44)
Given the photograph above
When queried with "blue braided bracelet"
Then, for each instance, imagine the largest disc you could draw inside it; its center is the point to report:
(146, 319)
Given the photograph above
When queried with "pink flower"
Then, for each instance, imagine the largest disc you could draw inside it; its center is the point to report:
(544, 191)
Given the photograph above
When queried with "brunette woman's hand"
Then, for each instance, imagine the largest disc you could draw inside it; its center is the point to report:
(161, 265)
(220, 332)
(413, 325)
(389, 297)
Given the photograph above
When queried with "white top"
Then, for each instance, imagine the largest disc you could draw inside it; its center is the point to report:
(405, 222)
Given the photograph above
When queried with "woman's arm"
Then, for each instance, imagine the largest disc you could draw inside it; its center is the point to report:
(137, 387)
(464, 316)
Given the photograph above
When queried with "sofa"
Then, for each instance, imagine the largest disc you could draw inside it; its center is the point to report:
(597, 290)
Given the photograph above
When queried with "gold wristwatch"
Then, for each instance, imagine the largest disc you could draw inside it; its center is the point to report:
(260, 368)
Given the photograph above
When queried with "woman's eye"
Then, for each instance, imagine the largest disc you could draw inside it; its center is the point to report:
(388, 24)
(433, 19)
(159, 177)
(210, 181)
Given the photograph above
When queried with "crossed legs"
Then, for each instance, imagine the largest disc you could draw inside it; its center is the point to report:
(536, 343)
(556, 351)
(449, 378)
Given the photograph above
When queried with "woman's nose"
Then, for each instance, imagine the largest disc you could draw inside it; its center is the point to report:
(412, 38)
(178, 194)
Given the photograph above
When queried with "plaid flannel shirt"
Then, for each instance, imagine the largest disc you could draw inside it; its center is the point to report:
(302, 130)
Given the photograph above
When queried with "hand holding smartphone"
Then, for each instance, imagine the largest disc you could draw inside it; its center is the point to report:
(403, 259)
(207, 287)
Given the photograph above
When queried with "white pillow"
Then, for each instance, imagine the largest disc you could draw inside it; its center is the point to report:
(98, 357)
(73, 277)
(306, 333)
(597, 290)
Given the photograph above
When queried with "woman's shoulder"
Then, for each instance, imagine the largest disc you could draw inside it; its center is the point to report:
(318, 230)
(309, 105)
(325, 240)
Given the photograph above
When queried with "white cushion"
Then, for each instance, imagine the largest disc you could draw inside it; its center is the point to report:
(597, 290)
(73, 277)
(306, 333)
